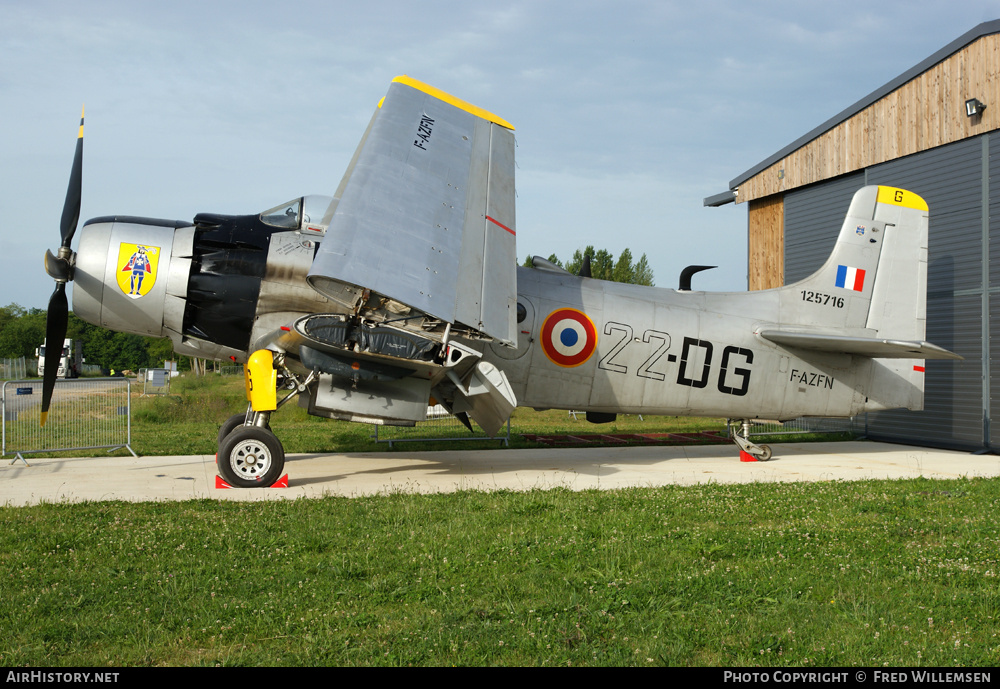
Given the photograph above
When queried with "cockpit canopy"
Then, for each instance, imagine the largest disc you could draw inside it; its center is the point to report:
(311, 214)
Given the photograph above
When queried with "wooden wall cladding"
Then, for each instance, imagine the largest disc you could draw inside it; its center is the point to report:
(926, 112)
(766, 243)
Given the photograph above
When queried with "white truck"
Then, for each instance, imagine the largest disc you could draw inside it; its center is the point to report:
(70, 361)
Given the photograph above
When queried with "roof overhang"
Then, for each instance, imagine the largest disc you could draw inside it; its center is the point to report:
(984, 29)
(720, 199)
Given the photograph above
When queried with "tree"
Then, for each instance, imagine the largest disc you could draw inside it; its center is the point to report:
(642, 274)
(118, 351)
(624, 270)
(10, 313)
(160, 350)
(21, 331)
(603, 266)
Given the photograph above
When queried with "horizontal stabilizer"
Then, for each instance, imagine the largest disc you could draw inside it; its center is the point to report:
(861, 346)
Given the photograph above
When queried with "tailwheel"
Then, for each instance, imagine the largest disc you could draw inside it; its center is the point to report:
(251, 457)
(741, 437)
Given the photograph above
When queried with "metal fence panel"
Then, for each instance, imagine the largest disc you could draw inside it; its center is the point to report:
(14, 369)
(155, 381)
(809, 425)
(85, 414)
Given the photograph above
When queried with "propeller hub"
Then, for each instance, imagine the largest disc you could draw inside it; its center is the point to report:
(60, 267)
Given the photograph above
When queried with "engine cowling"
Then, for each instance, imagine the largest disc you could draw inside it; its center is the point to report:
(134, 275)
(125, 270)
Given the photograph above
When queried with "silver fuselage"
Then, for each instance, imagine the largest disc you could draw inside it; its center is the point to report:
(662, 351)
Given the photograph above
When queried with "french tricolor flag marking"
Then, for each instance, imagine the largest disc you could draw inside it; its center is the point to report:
(851, 278)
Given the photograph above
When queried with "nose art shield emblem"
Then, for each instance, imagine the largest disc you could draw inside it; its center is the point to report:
(138, 266)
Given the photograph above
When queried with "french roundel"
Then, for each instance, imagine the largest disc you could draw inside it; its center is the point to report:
(569, 337)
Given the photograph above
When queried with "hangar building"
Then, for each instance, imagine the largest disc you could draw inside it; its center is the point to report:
(932, 130)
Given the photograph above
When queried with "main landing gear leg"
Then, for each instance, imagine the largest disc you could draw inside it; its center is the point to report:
(759, 452)
(250, 455)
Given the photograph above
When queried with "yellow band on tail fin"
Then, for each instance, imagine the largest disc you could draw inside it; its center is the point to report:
(901, 197)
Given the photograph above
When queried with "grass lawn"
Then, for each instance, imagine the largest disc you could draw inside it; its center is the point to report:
(831, 574)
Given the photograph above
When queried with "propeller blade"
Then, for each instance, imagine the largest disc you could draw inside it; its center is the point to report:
(71, 208)
(61, 269)
(55, 335)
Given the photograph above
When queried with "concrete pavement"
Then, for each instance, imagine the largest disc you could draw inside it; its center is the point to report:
(317, 475)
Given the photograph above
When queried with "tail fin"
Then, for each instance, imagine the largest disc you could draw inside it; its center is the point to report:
(870, 297)
(876, 276)
(873, 297)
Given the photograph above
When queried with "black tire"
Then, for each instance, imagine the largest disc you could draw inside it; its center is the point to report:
(230, 424)
(766, 454)
(251, 457)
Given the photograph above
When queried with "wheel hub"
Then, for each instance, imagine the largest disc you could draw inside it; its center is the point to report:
(250, 460)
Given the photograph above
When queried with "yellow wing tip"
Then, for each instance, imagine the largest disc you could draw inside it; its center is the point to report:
(44, 418)
(901, 197)
(452, 100)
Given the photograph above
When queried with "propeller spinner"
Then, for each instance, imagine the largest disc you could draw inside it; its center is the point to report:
(60, 268)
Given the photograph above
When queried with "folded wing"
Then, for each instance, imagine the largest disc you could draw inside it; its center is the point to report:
(425, 216)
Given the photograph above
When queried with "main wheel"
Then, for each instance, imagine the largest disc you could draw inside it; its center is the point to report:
(251, 457)
(766, 454)
(229, 426)
(233, 422)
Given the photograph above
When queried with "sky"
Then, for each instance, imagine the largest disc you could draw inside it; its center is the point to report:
(627, 113)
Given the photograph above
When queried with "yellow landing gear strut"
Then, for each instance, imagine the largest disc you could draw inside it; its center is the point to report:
(250, 455)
